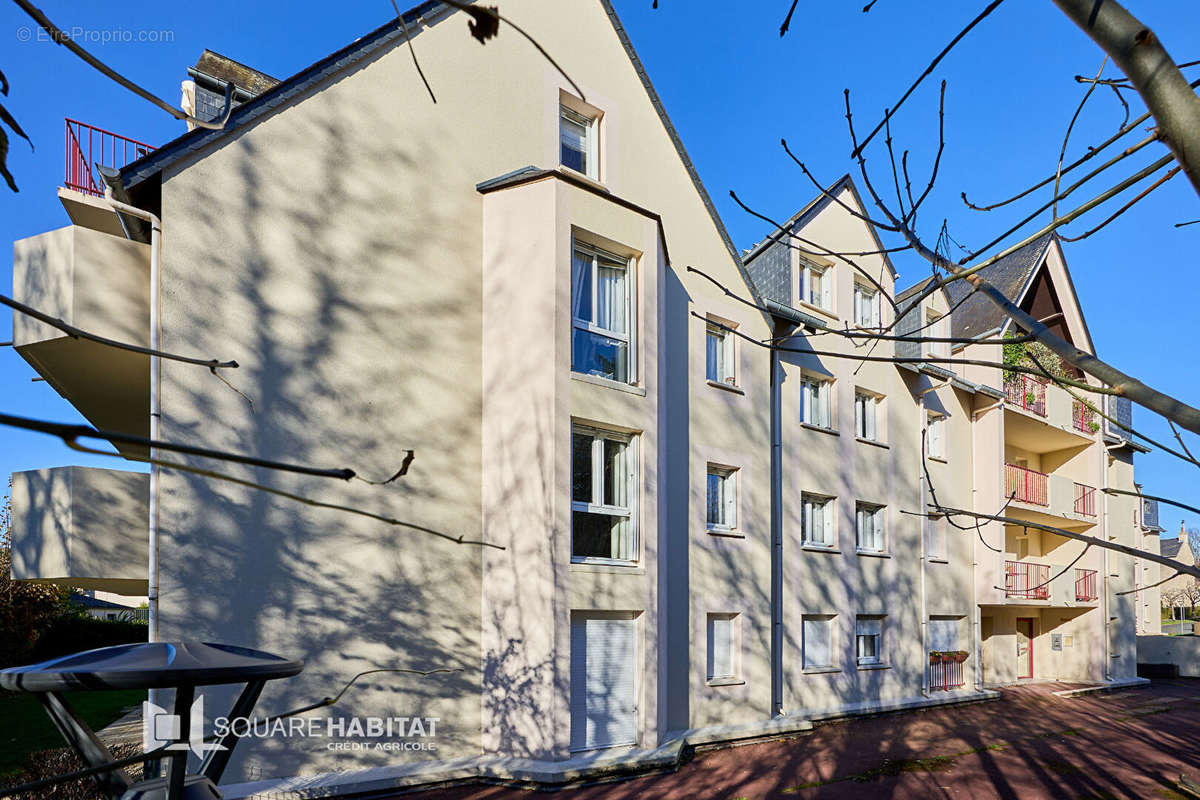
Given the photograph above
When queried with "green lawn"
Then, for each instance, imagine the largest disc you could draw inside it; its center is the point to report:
(26, 728)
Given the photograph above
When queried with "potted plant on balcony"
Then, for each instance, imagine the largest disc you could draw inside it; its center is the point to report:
(1095, 426)
(958, 656)
(935, 657)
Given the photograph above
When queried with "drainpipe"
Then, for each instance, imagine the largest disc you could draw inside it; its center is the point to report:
(1104, 594)
(976, 644)
(155, 411)
(924, 526)
(776, 535)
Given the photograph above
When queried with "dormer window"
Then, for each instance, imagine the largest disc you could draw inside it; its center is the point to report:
(816, 286)
(935, 328)
(577, 142)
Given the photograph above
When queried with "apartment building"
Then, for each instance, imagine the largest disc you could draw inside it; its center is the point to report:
(686, 529)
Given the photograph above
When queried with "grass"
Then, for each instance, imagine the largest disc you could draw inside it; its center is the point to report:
(27, 729)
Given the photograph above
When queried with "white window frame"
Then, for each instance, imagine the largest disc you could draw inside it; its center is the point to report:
(866, 306)
(726, 353)
(808, 623)
(875, 517)
(820, 413)
(822, 299)
(868, 627)
(935, 435)
(867, 407)
(591, 151)
(727, 483)
(935, 324)
(629, 336)
(826, 530)
(728, 625)
(937, 546)
(633, 488)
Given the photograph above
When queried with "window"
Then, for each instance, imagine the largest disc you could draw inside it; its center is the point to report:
(603, 495)
(577, 142)
(868, 528)
(866, 306)
(816, 520)
(935, 538)
(817, 643)
(722, 646)
(868, 640)
(722, 498)
(602, 312)
(935, 436)
(935, 327)
(718, 354)
(816, 285)
(814, 402)
(865, 408)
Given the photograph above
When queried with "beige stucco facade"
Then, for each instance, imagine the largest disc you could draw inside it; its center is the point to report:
(388, 284)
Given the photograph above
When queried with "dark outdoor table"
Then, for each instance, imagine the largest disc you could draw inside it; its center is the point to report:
(181, 666)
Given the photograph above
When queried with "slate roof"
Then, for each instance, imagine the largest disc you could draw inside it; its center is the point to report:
(1011, 274)
(1171, 547)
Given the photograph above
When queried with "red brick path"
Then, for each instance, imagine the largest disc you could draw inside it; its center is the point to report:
(1030, 744)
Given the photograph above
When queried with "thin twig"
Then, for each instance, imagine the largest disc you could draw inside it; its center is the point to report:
(413, 51)
(1062, 153)
(1171, 173)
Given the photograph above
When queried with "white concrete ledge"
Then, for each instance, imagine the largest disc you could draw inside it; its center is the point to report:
(609, 764)
(1110, 686)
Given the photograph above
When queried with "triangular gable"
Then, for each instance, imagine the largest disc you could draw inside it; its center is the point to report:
(1049, 295)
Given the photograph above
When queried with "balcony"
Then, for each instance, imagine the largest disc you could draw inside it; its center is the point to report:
(1085, 585)
(1083, 419)
(1049, 499)
(1026, 581)
(1085, 500)
(100, 283)
(87, 146)
(947, 676)
(1027, 392)
(1025, 485)
(81, 527)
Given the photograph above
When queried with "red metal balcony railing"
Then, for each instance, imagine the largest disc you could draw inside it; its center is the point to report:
(87, 146)
(1025, 485)
(1085, 584)
(1022, 579)
(1084, 418)
(1026, 392)
(946, 676)
(1085, 500)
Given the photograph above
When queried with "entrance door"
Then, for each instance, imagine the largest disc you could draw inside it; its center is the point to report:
(1024, 647)
(603, 682)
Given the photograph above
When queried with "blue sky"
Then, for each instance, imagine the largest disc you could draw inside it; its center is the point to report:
(733, 89)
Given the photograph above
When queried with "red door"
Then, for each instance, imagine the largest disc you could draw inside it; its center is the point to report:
(1024, 647)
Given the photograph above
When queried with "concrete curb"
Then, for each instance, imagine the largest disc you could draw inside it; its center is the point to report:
(1101, 688)
(610, 765)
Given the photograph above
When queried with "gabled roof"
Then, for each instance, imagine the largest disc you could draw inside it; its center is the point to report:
(1170, 547)
(1011, 275)
(86, 601)
(810, 209)
(293, 89)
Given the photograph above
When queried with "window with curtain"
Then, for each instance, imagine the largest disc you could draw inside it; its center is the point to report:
(865, 412)
(722, 498)
(722, 644)
(814, 402)
(866, 306)
(935, 436)
(816, 285)
(602, 314)
(603, 495)
(718, 355)
(868, 528)
(577, 141)
(816, 520)
(817, 641)
(868, 640)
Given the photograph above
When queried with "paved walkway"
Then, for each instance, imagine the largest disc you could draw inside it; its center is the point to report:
(1030, 744)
